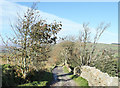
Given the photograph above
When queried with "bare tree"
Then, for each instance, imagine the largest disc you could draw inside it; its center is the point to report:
(87, 51)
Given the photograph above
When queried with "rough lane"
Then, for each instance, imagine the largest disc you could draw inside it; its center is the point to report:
(62, 78)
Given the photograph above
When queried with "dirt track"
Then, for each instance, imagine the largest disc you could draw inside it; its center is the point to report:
(62, 78)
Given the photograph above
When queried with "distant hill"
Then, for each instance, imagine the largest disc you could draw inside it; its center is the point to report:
(116, 43)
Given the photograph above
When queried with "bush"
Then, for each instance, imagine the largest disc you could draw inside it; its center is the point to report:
(11, 76)
(39, 76)
(110, 66)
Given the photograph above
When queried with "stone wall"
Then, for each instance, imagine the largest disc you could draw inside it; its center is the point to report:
(97, 78)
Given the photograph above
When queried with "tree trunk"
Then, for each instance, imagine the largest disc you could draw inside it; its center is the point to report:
(24, 74)
(7, 60)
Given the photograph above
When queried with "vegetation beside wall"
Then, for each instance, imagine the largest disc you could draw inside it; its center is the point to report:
(107, 61)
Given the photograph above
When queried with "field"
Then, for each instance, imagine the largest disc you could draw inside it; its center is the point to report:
(113, 48)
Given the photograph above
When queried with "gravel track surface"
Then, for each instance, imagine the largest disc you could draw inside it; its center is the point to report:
(62, 78)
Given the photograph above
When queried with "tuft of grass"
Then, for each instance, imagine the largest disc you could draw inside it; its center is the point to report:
(35, 83)
(65, 69)
(80, 81)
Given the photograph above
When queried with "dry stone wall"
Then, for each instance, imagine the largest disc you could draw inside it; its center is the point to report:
(97, 78)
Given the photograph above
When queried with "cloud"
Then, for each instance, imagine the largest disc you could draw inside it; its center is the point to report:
(65, 0)
(9, 10)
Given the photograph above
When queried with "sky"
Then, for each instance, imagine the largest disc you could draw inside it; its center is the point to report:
(71, 14)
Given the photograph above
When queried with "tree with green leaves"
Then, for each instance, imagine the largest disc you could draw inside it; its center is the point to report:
(31, 41)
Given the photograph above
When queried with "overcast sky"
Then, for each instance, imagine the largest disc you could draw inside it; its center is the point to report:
(72, 15)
